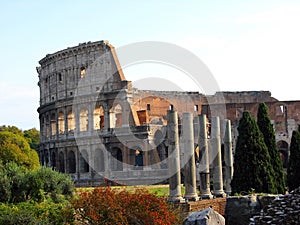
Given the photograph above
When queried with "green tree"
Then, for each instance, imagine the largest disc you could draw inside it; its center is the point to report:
(33, 138)
(252, 167)
(15, 148)
(293, 169)
(266, 127)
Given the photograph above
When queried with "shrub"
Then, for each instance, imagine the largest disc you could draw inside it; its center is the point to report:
(109, 207)
(44, 213)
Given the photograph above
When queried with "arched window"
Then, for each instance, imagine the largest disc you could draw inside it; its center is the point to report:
(116, 116)
(98, 118)
(84, 120)
(61, 122)
(83, 162)
(72, 162)
(61, 162)
(71, 121)
(82, 72)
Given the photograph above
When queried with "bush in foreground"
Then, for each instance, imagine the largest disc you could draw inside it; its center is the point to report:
(107, 206)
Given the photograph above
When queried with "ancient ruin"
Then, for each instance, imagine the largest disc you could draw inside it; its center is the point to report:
(96, 127)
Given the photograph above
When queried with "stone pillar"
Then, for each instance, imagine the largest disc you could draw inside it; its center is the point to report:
(106, 116)
(217, 161)
(204, 161)
(174, 158)
(228, 157)
(189, 158)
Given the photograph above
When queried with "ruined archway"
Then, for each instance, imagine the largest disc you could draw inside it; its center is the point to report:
(283, 148)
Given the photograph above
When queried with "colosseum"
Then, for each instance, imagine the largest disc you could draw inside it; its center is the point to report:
(96, 127)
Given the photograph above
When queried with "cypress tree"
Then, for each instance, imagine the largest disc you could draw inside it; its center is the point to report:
(293, 170)
(252, 167)
(266, 127)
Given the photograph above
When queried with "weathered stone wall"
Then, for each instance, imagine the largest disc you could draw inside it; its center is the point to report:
(218, 204)
(282, 210)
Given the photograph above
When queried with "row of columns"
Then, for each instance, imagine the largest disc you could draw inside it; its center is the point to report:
(208, 155)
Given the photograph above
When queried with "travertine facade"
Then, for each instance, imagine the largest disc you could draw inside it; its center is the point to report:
(94, 125)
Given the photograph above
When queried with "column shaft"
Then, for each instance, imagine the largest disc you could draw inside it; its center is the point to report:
(189, 157)
(174, 158)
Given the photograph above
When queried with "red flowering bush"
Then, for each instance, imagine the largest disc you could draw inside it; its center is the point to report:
(109, 206)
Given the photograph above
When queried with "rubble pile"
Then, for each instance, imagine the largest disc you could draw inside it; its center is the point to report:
(284, 209)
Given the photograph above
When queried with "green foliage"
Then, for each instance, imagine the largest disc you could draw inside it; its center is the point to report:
(252, 165)
(293, 170)
(33, 138)
(109, 206)
(266, 127)
(15, 148)
(44, 213)
(19, 185)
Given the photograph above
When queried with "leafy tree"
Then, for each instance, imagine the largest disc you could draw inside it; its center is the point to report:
(252, 167)
(293, 169)
(266, 127)
(33, 138)
(19, 185)
(15, 148)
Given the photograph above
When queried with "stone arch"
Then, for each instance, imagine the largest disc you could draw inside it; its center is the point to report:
(84, 162)
(61, 160)
(83, 119)
(72, 162)
(283, 148)
(61, 122)
(117, 162)
(71, 121)
(98, 117)
(53, 124)
(99, 160)
(116, 116)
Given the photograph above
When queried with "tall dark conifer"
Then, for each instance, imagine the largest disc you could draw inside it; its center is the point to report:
(266, 127)
(252, 167)
(293, 170)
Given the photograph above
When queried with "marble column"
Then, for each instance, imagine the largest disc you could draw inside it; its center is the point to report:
(228, 157)
(189, 158)
(204, 162)
(217, 160)
(173, 158)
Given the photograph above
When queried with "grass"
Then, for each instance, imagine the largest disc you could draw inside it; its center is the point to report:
(158, 190)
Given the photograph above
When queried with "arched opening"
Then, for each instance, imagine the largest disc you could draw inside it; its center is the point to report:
(71, 121)
(84, 120)
(61, 162)
(116, 116)
(53, 160)
(283, 148)
(53, 124)
(82, 72)
(98, 118)
(46, 158)
(47, 126)
(83, 162)
(99, 160)
(72, 162)
(117, 162)
(61, 122)
(138, 159)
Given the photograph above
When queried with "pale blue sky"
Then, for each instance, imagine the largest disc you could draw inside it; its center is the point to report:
(247, 45)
